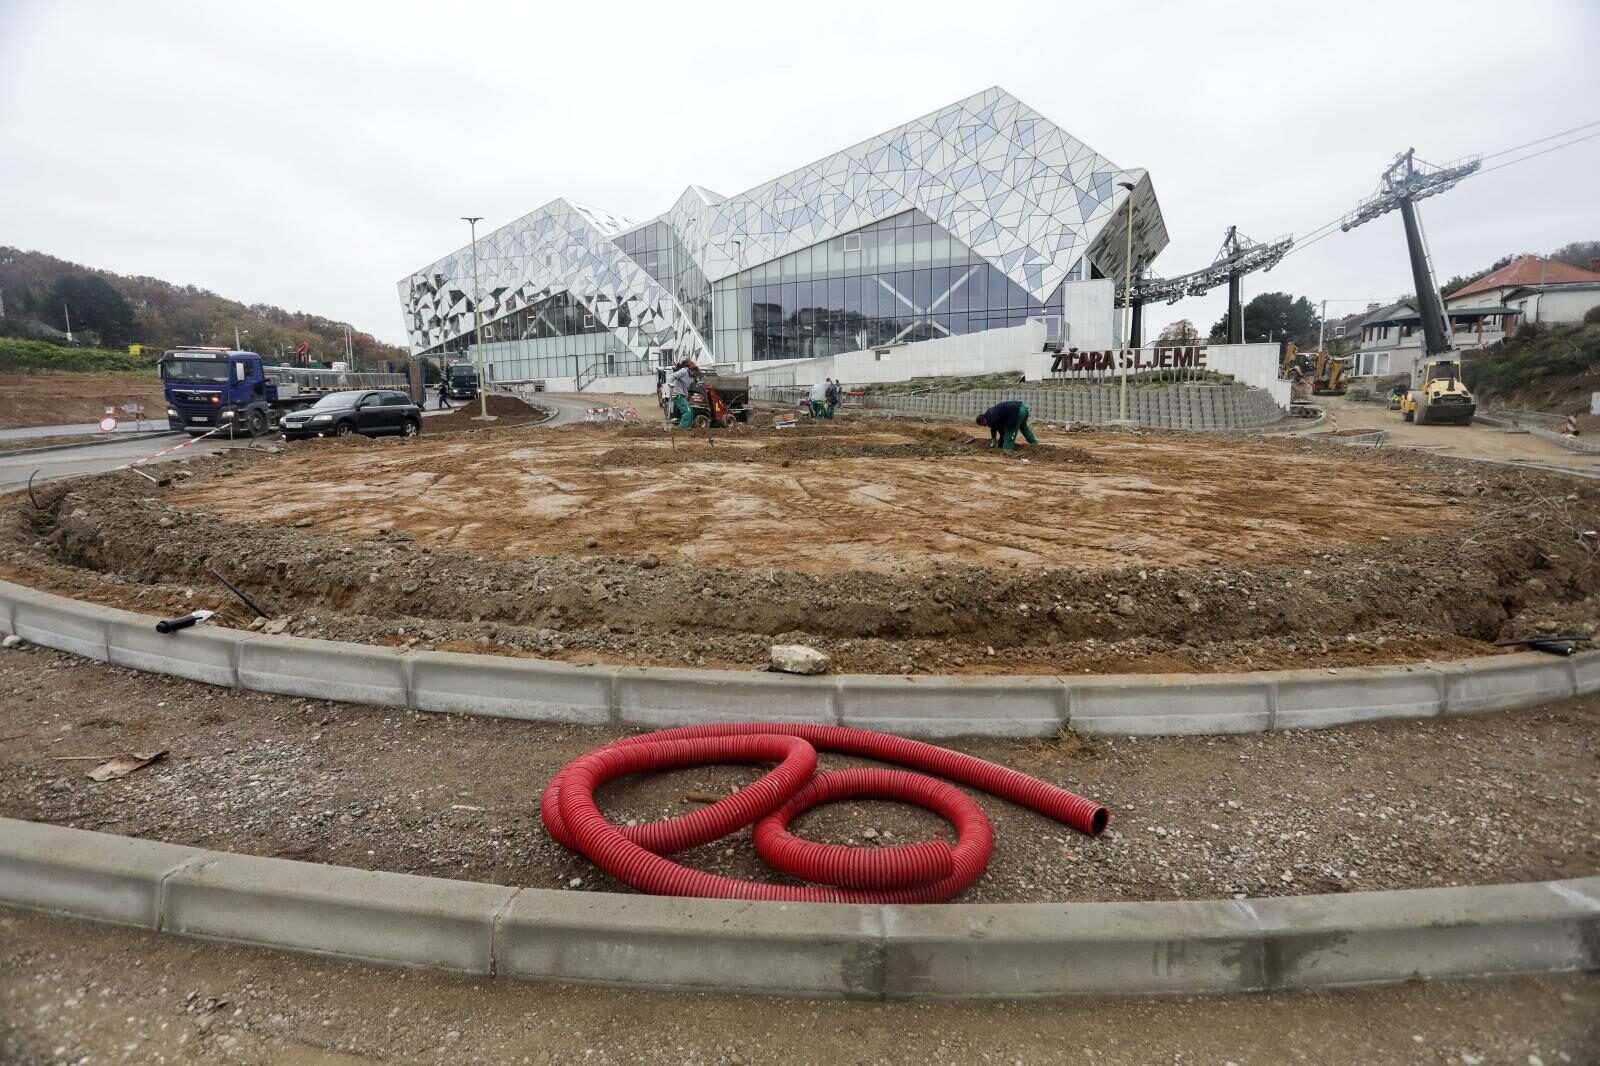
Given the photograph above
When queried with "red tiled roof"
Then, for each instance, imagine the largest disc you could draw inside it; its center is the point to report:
(1527, 270)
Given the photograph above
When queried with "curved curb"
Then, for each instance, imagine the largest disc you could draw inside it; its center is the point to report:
(941, 951)
(658, 697)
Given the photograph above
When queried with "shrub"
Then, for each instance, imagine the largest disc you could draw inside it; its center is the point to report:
(32, 356)
(1592, 316)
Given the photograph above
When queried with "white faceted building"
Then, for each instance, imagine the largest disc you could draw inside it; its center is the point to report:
(980, 216)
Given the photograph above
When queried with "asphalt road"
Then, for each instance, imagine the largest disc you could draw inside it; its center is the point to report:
(68, 462)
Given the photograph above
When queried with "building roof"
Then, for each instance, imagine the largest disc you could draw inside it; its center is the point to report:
(1566, 286)
(1481, 312)
(1395, 312)
(1526, 270)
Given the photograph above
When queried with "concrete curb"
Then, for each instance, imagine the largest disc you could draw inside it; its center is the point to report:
(922, 706)
(943, 951)
(110, 438)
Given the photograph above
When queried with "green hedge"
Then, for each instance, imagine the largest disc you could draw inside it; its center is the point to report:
(31, 357)
(1538, 355)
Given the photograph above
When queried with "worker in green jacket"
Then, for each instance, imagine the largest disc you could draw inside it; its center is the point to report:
(1005, 420)
(679, 382)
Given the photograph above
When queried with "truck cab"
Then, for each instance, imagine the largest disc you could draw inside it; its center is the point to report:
(461, 381)
(208, 388)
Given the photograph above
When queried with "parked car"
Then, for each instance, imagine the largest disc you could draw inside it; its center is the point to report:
(339, 414)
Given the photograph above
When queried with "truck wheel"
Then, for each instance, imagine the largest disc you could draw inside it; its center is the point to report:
(1407, 416)
(258, 423)
(1422, 416)
(343, 429)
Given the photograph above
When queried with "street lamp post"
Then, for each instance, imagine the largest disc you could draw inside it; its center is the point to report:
(738, 311)
(238, 346)
(1127, 308)
(477, 320)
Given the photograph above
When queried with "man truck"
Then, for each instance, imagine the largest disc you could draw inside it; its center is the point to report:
(211, 388)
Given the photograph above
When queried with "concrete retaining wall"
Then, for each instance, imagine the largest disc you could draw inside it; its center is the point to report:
(947, 951)
(658, 697)
(1190, 406)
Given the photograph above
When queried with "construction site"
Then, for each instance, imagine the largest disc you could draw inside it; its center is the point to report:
(890, 544)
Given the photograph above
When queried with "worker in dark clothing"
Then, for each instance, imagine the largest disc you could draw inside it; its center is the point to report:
(444, 396)
(1005, 420)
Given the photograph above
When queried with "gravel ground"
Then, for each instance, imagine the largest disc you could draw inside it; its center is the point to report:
(1483, 799)
(80, 992)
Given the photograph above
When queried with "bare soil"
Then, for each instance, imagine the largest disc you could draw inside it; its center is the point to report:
(75, 991)
(893, 547)
(60, 399)
(1474, 800)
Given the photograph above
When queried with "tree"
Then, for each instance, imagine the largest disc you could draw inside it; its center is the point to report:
(1275, 316)
(1180, 332)
(1578, 253)
(1461, 281)
(94, 306)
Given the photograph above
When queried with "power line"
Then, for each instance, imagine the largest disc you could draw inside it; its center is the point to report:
(1545, 151)
(1541, 140)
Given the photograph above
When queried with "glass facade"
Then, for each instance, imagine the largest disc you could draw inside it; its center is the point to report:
(902, 279)
(654, 246)
(553, 337)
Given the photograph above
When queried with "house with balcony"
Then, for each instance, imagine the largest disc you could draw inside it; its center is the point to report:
(1391, 336)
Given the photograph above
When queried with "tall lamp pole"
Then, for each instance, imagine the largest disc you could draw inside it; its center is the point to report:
(738, 313)
(237, 346)
(1127, 308)
(477, 319)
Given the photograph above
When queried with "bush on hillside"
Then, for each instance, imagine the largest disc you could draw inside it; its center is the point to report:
(1592, 316)
(31, 357)
(1537, 356)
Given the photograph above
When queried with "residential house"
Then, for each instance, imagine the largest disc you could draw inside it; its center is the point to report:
(1524, 271)
(1391, 337)
(1566, 301)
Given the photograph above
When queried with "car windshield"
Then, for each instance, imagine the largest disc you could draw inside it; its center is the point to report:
(214, 371)
(338, 399)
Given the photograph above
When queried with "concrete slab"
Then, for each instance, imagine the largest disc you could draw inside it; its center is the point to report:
(335, 910)
(1481, 931)
(693, 944)
(1586, 671)
(655, 697)
(1169, 704)
(1498, 682)
(502, 687)
(199, 653)
(92, 875)
(1311, 699)
(62, 623)
(325, 669)
(1014, 951)
(922, 706)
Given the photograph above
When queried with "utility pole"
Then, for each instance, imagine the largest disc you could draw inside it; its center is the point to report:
(738, 314)
(66, 311)
(477, 320)
(1127, 308)
(238, 345)
(1322, 324)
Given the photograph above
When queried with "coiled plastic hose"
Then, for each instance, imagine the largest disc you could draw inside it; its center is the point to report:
(929, 872)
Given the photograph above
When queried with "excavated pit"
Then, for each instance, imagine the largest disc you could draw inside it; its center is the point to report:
(893, 547)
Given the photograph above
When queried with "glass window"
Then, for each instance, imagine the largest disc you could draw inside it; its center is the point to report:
(836, 294)
(836, 257)
(786, 268)
(997, 289)
(958, 323)
(852, 295)
(904, 285)
(886, 251)
(922, 246)
(869, 296)
(977, 288)
(922, 292)
(940, 290)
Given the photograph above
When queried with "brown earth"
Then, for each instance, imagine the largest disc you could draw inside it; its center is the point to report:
(897, 548)
(61, 399)
(508, 410)
(1471, 800)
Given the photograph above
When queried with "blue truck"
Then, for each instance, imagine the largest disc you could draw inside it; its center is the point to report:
(211, 388)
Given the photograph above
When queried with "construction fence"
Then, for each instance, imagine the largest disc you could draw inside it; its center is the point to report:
(1184, 406)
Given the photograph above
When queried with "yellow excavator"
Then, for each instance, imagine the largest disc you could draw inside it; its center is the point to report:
(1329, 377)
(1443, 396)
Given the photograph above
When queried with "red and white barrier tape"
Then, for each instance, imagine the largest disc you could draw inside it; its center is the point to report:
(1571, 429)
(175, 447)
(1333, 420)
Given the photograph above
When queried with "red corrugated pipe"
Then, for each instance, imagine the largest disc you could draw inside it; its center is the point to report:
(929, 872)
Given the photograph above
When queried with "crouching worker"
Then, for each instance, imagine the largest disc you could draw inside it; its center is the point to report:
(818, 400)
(1005, 420)
(679, 382)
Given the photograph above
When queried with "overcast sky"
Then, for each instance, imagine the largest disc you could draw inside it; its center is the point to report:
(311, 154)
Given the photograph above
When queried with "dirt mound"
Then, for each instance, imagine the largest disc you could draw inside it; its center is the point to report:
(508, 409)
(1157, 553)
(56, 399)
